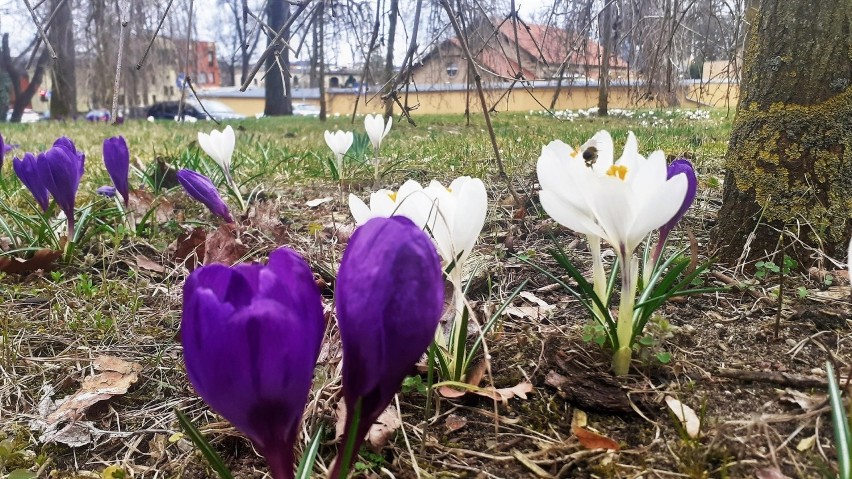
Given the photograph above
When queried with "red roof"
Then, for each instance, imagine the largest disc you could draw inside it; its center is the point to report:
(550, 45)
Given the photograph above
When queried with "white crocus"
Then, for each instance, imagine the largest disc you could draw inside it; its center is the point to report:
(409, 201)
(377, 129)
(339, 142)
(456, 219)
(621, 202)
(219, 145)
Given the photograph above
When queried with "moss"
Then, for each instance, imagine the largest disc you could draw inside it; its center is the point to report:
(797, 160)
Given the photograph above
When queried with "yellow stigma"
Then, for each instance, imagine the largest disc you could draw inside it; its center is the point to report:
(618, 171)
(392, 196)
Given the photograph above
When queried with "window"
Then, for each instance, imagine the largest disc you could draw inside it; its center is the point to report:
(210, 58)
(452, 70)
(295, 81)
(334, 82)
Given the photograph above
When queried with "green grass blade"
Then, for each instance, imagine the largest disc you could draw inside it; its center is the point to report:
(306, 464)
(842, 435)
(207, 450)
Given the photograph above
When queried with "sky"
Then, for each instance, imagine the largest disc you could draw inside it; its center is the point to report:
(16, 20)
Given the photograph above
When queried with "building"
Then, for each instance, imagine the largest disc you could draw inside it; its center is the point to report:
(542, 52)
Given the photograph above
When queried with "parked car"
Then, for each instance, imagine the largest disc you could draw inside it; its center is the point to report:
(191, 109)
(98, 115)
(28, 116)
(168, 110)
(305, 109)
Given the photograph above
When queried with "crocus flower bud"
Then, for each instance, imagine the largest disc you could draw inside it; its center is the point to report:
(60, 169)
(220, 146)
(251, 336)
(117, 162)
(27, 171)
(202, 189)
(389, 296)
(377, 129)
(677, 167)
(108, 191)
(4, 148)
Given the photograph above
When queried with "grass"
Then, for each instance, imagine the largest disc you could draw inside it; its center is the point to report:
(105, 302)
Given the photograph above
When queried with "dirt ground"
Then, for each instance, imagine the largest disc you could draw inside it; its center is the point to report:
(760, 400)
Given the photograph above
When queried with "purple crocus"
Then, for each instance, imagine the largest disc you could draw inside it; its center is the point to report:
(108, 191)
(251, 336)
(4, 148)
(117, 162)
(202, 189)
(60, 169)
(677, 167)
(27, 171)
(389, 297)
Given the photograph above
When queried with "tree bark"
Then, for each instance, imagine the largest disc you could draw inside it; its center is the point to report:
(319, 45)
(606, 53)
(789, 159)
(63, 98)
(393, 15)
(278, 101)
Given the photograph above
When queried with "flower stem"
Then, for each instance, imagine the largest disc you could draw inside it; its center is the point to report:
(344, 459)
(629, 273)
(598, 274)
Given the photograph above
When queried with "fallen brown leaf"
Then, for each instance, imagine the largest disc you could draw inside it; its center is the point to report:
(589, 439)
(142, 202)
(61, 421)
(223, 246)
(455, 422)
(380, 432)
(190, 248)
(770, 473)
(42, 259)
(143, 262)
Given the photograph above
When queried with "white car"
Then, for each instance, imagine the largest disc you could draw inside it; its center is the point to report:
(28, 116)
(305, 109)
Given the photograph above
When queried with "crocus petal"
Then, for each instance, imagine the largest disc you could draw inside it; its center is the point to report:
(681, 166)
(251, 336)
(658, 208)
(117, 162)
(68, 145)
(59, 171)
(389, 297)
(219, 145)
(374, 124)
(27, 171)
(565, 213)
(360, 211)
(108, 191)
(202, 189)
(470, 216)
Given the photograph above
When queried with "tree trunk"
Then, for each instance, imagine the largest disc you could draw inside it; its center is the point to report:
(319, 44)
(393, 15)
(789, 159)
(63, 98)
(606, 53)
(278, 100)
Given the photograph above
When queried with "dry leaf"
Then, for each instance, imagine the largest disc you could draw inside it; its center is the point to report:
(190, 247)
(455, 422)
(808, 402)
(770, 473)
(143, 262)
(519, 390)
(318, 201)
(686, 415)
(806, 443)
(588, 438)
(61, 421)
(380, 432)
(223, 246)
(384, 428)
(41, 259)
(141, 202)
(544, 305)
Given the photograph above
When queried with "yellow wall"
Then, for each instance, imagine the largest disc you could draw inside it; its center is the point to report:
(692, 96)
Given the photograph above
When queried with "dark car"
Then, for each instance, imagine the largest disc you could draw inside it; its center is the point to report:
(168, 110)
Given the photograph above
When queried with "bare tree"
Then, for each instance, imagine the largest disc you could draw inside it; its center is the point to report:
(63, 99)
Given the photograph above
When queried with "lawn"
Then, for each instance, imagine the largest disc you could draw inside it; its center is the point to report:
(112, 306)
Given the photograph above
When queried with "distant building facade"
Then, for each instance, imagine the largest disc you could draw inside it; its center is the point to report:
(542, 51)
